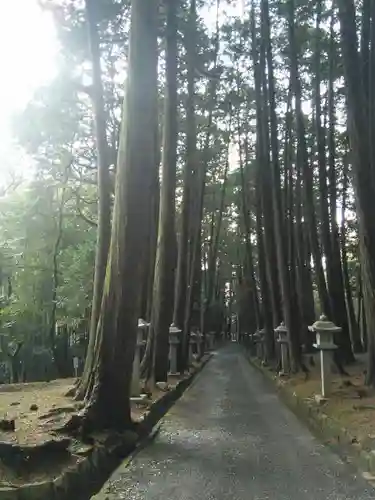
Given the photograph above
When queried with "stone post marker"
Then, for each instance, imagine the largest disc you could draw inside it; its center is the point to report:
(141, 341)
(262, 334)
(174, 340)
(200, 346)
(210, 340)
(192, 342)
(252, 344)
(259, 338)
(282, 339)
(75, 365)
(325, 331)
(256, 339)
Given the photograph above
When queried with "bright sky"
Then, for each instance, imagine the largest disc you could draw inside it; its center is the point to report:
(27, 59)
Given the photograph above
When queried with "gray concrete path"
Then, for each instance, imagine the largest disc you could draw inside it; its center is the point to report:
(229, 438)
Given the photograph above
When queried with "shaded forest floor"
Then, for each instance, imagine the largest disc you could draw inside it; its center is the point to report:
(351, 404)
(35, 451)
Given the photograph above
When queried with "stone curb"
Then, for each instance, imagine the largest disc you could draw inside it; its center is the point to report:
(84, 479)
(322, 425)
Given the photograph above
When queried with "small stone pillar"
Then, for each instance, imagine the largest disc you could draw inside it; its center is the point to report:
(210, 340)
(325, 330)
(192, 343)
(200, 347)
(256, 340)
(141, 334)
(252, 344)
(75, 365)
(259, 339)
(247, 340)
(282, 338)
(174, 340)
(262, 334)
(243, 338)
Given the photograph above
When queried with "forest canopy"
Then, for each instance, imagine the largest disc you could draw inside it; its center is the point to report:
(221, 166)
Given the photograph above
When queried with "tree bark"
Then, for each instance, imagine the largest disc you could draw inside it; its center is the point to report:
(363, 168)
(264, 202)
(107, 394)
(249, 261)
(267, 194)
(104, 190)
(328, 202)
(302, 161)
(288, 306)
(354, 324)
(162, 310)
(182, 278)
(183, 240)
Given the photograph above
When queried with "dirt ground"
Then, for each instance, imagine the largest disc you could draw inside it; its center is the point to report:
(351, 403)
(30, 406)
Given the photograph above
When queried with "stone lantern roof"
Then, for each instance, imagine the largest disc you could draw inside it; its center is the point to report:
(324, 325)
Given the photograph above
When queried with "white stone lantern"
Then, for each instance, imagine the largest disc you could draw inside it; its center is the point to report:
(141, 341)
(282, 338)
(325, 331)
(174, 340)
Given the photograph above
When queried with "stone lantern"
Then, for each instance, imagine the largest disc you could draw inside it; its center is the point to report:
(325, 331)
(282, 338)
(174, 340)
(141, 335)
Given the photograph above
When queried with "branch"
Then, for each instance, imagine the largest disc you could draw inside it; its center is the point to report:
(85, 218)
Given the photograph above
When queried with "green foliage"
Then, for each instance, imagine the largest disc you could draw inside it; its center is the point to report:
(28, 234)
(56, 129)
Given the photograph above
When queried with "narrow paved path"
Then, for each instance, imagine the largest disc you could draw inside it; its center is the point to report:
(229, 438)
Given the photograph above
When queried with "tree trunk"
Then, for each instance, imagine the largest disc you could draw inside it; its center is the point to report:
(267, 194)
(264, 202)
(162, 310)
(363, 168)
(153, 239)
(354, 325)
(108, 390)
(264, 285)
(249, 261)
(182, 278)
(61, 369)
(104, 190)
(328, 204)
(302, 161)
(288, 305)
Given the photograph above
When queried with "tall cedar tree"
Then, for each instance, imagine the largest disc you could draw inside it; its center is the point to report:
(107, 392)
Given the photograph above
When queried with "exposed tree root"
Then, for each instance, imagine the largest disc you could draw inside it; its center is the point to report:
(84, 423)
(71, 392)
(57, 411)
